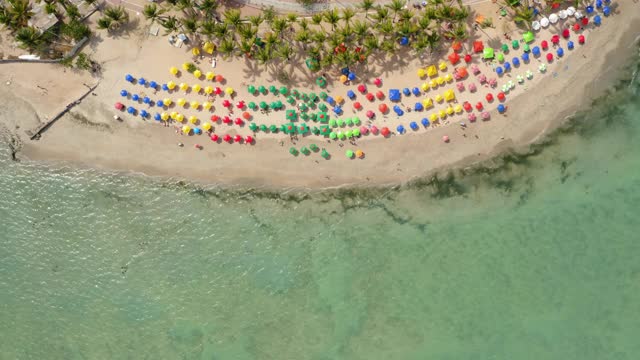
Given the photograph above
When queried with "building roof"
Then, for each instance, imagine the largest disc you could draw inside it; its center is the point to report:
(41, 20)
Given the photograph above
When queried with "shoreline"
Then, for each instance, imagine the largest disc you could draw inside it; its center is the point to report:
(513, 134)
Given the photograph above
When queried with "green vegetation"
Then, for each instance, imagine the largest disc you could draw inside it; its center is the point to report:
(114, 18)
(333, 37)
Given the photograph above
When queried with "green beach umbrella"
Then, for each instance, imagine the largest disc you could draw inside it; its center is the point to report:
(291, 100)
(515, 44)
(505, 48)
(303, 128)
(356, 120)
(315, 131)
(283, 128)
(322, 107)
(293, 151)
(325, 154)
(291, 115)
(333, 123)
(273, 89)
(323, 95)
(305, 151)
(349, 153)
(304, 97)
(263, 105)
(323, 117)
(355, 132)
(526, 48)
(283, 90)
(289, 128)
(303, 107)
(341, 123)
(274, 105)
(263, 127)
(332, 135)
(341, 135)
(295, 93)
(310, 104)
(251, 89)
(262, 89)
(348, 122)
(252, 105)
(314, 147)
(500, 57)
(273, 128)
(528, 37)
(325, 130)
(321, 81)
(487, 53)
(279, 104)
(304, 116)
(253, 126)
(313, 116)
(313, 96)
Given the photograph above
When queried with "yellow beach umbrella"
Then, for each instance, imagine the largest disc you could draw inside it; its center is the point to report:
(449, 110)
(427, 103)
(228, 91)
(442, 66)
(424, 87)
(432, 71)
(440, 80)
(359, 153)
(206, 126)
(195, 104)
(184, 87)
(433, 84)
(181, 102)
(186, 129)
(171, 85)
(208, 90)
(343, 79)
(164, 116)
(195, 51)
(167, 101)
(197, 74)
(433, 117)
(173, 70)
(196, 88)
(421, 73)
(439, 98)
(186, 66)
(180, 118)
(193, 119)
(210, 75)
(449, 95)
(442, 114)
(207, 105)
(174, 115)
(208, 47)
(458, 108)
(448, 78)
(339, 99)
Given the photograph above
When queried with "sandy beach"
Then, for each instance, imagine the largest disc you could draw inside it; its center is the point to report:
(89, 136)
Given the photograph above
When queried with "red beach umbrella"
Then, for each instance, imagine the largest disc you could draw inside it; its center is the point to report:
(445, 138)
(467, 58)
(357, 105)
(581, 39)
(227, 138)
(566, 33)
(219, 78)
(383, 108)
(377, 81)
(246, 115)
(370, 114)
(215, 137)
(227, 120)
(374, 130)
(240, 104)
(467, 106)
(544, 44)
(217, 91)
(456, 46)
(215, 118)
(380, 95)
(362, 88)
(489, 97)
(549, 57)
(585, 21)
(119, 106)
(501, 96)
(576, 27)
(239, 122)
(370, 97)
(478, 47)
(555, 39)
(479, 106)
(237, 138)
(385, 131)
(226, 103)
(364, 130)
(248, 139)
(454, 58)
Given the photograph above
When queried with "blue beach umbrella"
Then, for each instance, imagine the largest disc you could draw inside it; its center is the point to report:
(144, 113)
(351, 94)
(142, 81)
(165, 87)
(416, 91)
(606, 11)
(501, 108)
(153, 85)
(425, 122)
(570, 45)
(131, 110)
(535, 51)
(197, 131)
(589, 9)
(404, 41)
(157, 117)
(135, 97)
(337, 109)
(418, 107)
(345, 71)
(560, 52)
(146, 100)
(124, 93)
(413, 126)
(406, 91)
(525, 57)
(499, 70)
(330, 100)
(398, 110)
(159, 103)
(401, 129)
(507, 66)
(351, 76)
(597, 20)
(598, 4)
(516, 61)
(129, 78)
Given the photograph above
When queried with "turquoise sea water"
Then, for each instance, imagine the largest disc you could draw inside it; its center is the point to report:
(538, 259)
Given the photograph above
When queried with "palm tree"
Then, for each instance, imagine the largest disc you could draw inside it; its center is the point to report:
(523, 15)
(347, 15)
(332, 18)
(388, 46)
(303, 37)
(221, 31)
(247, 31)
(316, 19)
(263, 56)
(208, 8)
(170, 24)
(366, 5)
(227, 47)
(304, 24)
(208, 28)
(386, 28)
(114, 18)
(190, 25)
(232, 17)
(406, 15)
(17, 14)
(151, 12)
(246, 47)
(285, 51)
(269, 13)
(372, 43)
(382, 14)
(458, 33)
(29, 38)
(395, 6)
(279, 26)
(360, 29)
(292, 18)
(424, 21)
(256, 20)
(433, 38)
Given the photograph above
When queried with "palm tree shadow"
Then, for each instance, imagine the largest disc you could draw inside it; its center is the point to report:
(251, 69)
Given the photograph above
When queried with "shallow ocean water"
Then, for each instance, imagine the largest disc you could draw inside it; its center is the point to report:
(535, 260)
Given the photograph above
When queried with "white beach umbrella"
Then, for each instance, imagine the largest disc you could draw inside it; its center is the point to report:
(520, 79)
(535, 25)
(553, 18)
(578, 15)
(529, 74)
(505, 88)
(511, 84)
(563, 14)
(571, 10)
(542, 68)
(544, 22)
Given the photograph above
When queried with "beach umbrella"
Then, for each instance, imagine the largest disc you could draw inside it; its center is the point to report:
(461, 73)
(209, 75)
(374, 130)
(570, 45)
(525, 57)
(248, 139)
(129, 78)
(343, 78)
(475, 69)
(349, 154)
(416, 91)
(322, 107)
(357, 105)
(370, 114)
(208, 90)
(479, 106)
(229, 91)
(528, 37)
(439, 98)
(578, 15)
(385, 131)
(193, 119)
(445, 138)
(131, 110)
(262, 89)
(472, 87)
(251, 89)
(442, 66)
(492, 82)
(448, 78)
(467, 106)
(380, 95)
(253, 127)
(599, 4)
(421, 73)
(425, 122)
(581, 39)
(433, 84)
(499, 70)
(119, 106)
(180, 102)
(165, 87)
(174, 115)
(197, 74)
(184, 87)
(467, 58)
(576, 27)
(454, 58)
(544, 22)
(560, 52)
(351, 76)
(215, 118)
(124, 93)
(237, 138)
(542, 68)
(364, 130)
(597, 20)
(489, 97)
(449, 110)
(355, 120)
(456, 46)
(555, 39)
(171, 85)
(398, 110)
(252, 105)
(240, 104)
(562, 14)
(433, 117)
(157, 117)
(146, 100)
(507, 66)
(195, 104)
(383, 108)
(478, 47)
(529, 74)
(500, 57)
(418, 107)
(186, 129)
(413, 125)
(333, 135)
(460, 86)
(239, 122)
(515, 61)
(263, 127)
(219, 78)
(471, 117)
(549, 57)
(488, 53)
(263, 105)
(226, 103)
(504, 48)
(424, 87)
(330, 100)
(544, 44)
(337, 109)
(272, 128)
(526, 48)
(351, 95)
(501, 108)
(377, 82)
(457, 108)
(501, 96)
(173, 70)
(142, 81)
(370, 97)
(485, 115)
(535, 25)
(535, 51)
(228, 138)
(283, 90)
(565, 34)
(273, 89)
(520, 79)
(406, 92)
(440, 80)
(246, 115)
